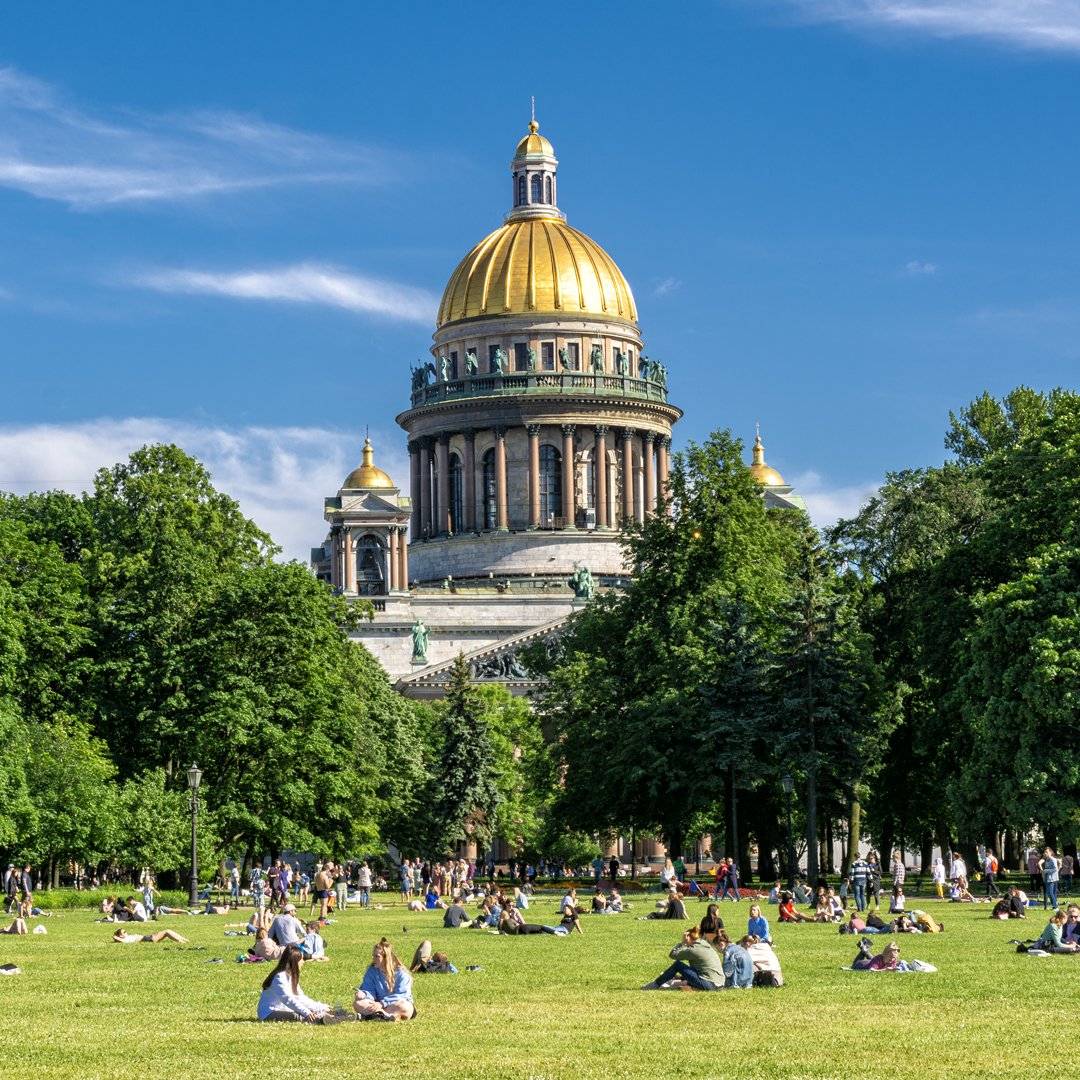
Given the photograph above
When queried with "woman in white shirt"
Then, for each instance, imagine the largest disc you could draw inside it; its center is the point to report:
(282, 998)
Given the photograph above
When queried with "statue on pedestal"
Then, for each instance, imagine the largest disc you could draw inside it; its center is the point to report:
(419, 641)
(581, 581)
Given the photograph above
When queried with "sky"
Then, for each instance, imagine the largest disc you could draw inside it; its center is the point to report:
(229, 225)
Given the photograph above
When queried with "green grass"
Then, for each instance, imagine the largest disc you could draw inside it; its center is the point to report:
(542, 1007)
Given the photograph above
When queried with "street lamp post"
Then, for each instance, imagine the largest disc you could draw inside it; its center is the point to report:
(194, 777)
(789, 786)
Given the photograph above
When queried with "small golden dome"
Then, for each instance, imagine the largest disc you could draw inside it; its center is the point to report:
(761, 472)
(534, 143)
(367, 476)
(537, 265)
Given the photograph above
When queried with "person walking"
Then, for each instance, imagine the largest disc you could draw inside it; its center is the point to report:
(990, 868)
(938, 877)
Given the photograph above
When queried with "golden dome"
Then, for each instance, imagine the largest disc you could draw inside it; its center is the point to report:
(537, 265)
(761, 472)
(534, 143)
(367, 476)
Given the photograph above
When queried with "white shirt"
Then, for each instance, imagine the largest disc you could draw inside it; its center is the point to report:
(279, 997)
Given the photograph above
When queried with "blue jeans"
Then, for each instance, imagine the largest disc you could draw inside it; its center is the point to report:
(1051, 895)
(859, 888)
(697, 981)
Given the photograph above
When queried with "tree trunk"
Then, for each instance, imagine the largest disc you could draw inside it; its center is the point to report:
(811, 823)
(828, 860)
(854, 833)
(731, 841)
(926, 854)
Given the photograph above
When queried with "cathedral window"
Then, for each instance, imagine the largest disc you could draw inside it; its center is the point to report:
(547, 190)
(550, 485)
(453, 365)
(535, 190)
(489, 490)
(521, 356)
(547, 355)
(457, 515)
(520, 190)
(573, 351)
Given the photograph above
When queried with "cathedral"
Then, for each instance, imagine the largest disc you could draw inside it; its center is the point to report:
(537, 429)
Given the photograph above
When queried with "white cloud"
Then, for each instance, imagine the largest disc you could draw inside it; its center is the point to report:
(306, 283)
(666, 285)
(920, 268)
(279, 476)
(1031, 24)
(53, 150)
(827, 505)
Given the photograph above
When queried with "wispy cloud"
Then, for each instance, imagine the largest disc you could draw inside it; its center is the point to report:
(1029, 24)
(916, 268)
(306, 283)
(53, 150)
(665, 286)
(278, 475)
(828, 504)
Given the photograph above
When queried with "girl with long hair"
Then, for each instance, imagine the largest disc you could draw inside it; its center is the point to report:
(282, 998)
(386, 990)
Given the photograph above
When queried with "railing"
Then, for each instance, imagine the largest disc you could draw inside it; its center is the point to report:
(537, 382)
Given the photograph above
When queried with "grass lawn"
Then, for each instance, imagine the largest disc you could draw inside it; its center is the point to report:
(542, 1006)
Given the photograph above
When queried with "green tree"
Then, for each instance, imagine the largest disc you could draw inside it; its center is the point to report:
(466, 797)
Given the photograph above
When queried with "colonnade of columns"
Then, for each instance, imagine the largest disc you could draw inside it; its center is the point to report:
(429, 473)
(395, 545)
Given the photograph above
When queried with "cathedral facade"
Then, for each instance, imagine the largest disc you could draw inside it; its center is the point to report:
(538, 429)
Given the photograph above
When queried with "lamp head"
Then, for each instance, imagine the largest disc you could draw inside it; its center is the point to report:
(194, 777)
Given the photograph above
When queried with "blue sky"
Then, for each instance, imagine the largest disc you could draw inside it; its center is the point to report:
(229, 225)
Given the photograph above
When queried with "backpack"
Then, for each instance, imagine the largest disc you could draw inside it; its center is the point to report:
(765, 978)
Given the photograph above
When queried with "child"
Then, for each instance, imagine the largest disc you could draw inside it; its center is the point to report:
(312, 946)
(845, 892)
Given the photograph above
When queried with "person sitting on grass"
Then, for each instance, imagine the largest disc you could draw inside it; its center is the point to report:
(122, 937)
(673, 908)
(1070, 932)
(265, 946)
(107, 905)
(1052, 939)
(885, 961)
(571, 921)
(696, 962)
(571, 898)
(738, 966)
(386, 990)
(282, 998)
(898, 902)
(758, 925)
(312, 945)
(766, 963)
(1010, 906)
(711, 924)
(433, 901)
(788, 912)
(615, 902)
(18, 926)
(599, 902)
(456, 915)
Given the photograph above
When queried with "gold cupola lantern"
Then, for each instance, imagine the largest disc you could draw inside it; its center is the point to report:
(368, 475)
(761, 472)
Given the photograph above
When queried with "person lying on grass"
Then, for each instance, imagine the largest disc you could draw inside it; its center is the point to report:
(122, 937)
(513, 922)
(386, 990)
(427, 962)
(884, 961)
(696, 962)
(282, 998)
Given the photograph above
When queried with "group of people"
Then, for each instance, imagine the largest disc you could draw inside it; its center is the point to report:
(385, 992)
(707, 959)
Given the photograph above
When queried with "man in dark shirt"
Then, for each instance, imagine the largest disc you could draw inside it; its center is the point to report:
(456, 915)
